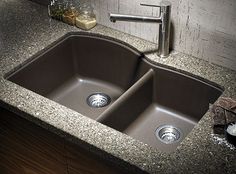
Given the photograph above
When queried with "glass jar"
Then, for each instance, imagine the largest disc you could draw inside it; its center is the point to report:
(86, 18)
(69, 15)
(56, 9)
(86, 11)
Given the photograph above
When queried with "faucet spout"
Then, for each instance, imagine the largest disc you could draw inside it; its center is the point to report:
(134, 18)
(163, 20)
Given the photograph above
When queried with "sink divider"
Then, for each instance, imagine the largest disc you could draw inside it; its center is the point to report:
(130, 104)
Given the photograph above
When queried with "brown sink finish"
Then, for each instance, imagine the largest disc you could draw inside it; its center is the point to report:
(160, 97)
(143, 96)
(77, 66)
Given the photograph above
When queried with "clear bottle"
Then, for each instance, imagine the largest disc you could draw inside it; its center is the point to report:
(86, 18)
(70, 13)
(56, 9)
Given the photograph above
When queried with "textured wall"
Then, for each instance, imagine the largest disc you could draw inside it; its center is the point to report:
(42, 2)
(205, 28)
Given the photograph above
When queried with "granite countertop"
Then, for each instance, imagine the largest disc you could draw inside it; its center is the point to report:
(26, 29)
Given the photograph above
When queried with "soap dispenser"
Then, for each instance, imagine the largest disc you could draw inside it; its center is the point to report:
(86, 18)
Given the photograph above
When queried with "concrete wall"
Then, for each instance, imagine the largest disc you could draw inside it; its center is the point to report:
(204, 28)
(42, 2)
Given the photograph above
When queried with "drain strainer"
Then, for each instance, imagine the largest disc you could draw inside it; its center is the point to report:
(168, 134)
(98, 100)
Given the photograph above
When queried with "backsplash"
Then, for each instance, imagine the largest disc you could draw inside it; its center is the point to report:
(205, 29)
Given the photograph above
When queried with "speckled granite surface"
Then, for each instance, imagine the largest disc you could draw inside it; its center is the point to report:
(26, 29)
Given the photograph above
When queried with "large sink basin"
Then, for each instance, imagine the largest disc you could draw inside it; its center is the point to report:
(78, 66)
(155, 105)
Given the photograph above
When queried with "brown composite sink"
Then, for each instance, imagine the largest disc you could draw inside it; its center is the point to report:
(78, 66)
(112, 83)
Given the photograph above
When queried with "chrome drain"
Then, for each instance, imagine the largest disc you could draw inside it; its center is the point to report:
(168, 134)
(98, 100)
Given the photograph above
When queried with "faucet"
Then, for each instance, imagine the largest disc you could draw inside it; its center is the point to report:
(163, 19)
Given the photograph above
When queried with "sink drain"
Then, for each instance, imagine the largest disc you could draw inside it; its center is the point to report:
(98, 100)
(168, 134)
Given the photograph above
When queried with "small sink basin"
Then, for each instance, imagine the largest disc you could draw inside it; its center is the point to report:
(112, 83)
(160, 100)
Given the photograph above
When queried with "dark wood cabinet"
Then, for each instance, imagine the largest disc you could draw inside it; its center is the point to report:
(26, 148)
(88, 163)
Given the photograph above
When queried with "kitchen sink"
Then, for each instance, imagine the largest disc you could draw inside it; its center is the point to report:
(112, 83)
(78, 66)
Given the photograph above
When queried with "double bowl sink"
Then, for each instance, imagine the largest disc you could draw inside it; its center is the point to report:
(112, 83)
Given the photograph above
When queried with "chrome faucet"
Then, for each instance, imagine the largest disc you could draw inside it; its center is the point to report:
(163, 19)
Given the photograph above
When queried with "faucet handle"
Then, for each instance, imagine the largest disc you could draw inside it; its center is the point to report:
(149, 5)
(162, 4)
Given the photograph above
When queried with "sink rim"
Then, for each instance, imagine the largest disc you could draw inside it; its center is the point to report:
(32, 58)
(61, 40)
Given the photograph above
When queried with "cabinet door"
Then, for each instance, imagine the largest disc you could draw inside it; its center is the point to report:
(26, 148)
(80, 161)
